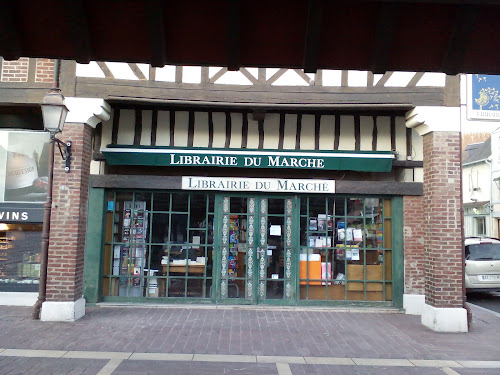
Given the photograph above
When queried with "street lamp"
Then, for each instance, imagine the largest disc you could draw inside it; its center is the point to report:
(54, 113)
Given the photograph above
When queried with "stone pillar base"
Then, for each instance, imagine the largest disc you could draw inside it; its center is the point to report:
(413, 303)
(54, 311)
(445, 319)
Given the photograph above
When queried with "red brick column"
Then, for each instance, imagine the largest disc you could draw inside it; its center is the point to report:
(442, 203)
(414, 234)
(69, 216)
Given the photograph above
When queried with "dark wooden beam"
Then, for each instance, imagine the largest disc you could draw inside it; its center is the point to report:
(137, 72)
(77, 16)
(259, 97)
(154, 127)
(233, 34)
(379, 187)
(313, 35)
(384, 35)
(105, 69)
(298, 132)
(138, 127)
(156, 31)
(190, 141)
(9, 36)
(136, 181)
(459, 40)
(228, 130)
(407, 164)
(116, 126)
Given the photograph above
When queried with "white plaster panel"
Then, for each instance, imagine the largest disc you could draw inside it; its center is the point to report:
(147, 117)
(290, 132)
(347, 140)
(181, 128)
(165, 74)
(406, 175)
(401, 137)
(107, 130)
(307, 133)
(417, 146)
(163, 128)
(418, 174)
(383, 133)
(271, 130)
(219, 120)
(327, 133)
(332, 78)
(95, 167)
(126, 128)
(200, 138)
(253, 133)
(366, 133)
(191, 74)
(236, 127)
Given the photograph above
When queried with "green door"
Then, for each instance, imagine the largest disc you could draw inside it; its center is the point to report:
(256, 249)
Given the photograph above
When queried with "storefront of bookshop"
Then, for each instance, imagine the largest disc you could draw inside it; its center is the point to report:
(249, 225)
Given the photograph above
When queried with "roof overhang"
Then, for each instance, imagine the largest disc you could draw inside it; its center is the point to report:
(451, 36)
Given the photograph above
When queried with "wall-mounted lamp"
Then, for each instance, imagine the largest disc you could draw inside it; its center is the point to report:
(54, 113)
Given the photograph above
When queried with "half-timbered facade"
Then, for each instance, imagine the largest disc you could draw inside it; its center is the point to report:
(257, 186)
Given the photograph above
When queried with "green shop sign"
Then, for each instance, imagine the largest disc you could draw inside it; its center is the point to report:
(362, 161)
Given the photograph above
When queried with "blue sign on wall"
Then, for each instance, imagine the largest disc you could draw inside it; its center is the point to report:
(483, 99)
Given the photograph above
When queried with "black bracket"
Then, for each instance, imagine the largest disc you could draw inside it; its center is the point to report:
(67, 152)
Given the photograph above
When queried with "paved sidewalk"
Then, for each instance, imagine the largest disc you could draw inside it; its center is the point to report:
(208, 340)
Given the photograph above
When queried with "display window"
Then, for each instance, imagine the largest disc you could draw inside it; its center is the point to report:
(345, 249)
(159, 244)
(248, 249)
(20, 246)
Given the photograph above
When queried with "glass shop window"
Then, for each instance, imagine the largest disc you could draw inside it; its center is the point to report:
(345, 249)
(158, 245)
(20, 246)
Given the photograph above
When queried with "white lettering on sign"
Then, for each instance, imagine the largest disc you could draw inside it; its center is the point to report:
(14, 215)
(272, 185)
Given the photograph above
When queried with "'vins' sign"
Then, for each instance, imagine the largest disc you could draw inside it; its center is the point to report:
(14, 216)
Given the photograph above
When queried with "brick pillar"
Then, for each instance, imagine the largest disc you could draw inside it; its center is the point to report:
(64, 297)
(442, 309)
(414, 235)
(69, 217)
(443, 238)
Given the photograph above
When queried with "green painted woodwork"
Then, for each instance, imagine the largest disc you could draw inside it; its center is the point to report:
(96, 238)
(361, 161)
(94, 245)
(398, 251)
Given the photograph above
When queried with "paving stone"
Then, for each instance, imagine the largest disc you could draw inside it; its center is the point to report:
(49, 366)
(193, 368)
(97, 355)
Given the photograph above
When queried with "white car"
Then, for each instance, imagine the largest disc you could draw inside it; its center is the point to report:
(482, 264)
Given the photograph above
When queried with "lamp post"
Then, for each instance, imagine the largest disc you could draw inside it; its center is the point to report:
(54, 113)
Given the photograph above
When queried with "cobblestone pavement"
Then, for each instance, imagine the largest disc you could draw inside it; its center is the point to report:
(209, 340)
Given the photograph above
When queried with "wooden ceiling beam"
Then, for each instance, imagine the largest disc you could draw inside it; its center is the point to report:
(233, 34)
(453, 57)
(156, 33)
(9, 37)
(313, 35)
(384, 35)
(80, 35)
